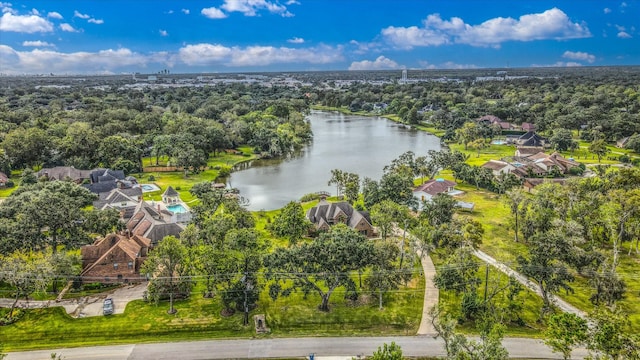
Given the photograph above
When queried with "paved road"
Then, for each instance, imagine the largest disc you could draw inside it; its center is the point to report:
(563, 305)
(431, 294)
(297, 347)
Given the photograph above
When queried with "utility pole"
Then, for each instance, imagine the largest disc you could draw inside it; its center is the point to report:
(486, 282)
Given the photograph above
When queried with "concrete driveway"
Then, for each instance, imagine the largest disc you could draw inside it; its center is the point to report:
(88, 305)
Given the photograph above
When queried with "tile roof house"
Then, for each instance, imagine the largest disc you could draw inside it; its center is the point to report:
(549, 161)
(114, 258)
(530, 183)
(498, 167)
(153, 221)
(434, 187)
(528, 150)
(528, 126)
(326, 214)
(489, 120)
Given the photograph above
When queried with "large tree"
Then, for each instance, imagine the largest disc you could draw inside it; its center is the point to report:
(26, 273)
(168, 268)
(291, 222)
(564, 332)
(319, 266)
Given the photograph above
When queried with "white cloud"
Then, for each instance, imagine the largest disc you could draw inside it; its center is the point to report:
(208, 54)
(624, 35)
(104, 61)
(620, 27)
(68, 28)
(37, 43)
(186, 11)
(24, 23)
(213, 13)
(251, 7)
(293, 2)
(38, 61)
(76, 13)
(163, 32)
(296, 40)
(201, 54)
(96, 21)
(607, 10)
(381, 63)
(579, 55)
(559, 64)
(550, 24)
(35, 12)
(452, 65)
(54, 15)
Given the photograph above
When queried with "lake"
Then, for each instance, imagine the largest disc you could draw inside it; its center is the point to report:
(356, 144)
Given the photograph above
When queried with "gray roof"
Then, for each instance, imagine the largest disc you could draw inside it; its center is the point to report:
(170, 192)
(326, 213)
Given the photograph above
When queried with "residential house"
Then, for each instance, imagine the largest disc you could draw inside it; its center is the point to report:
(498, 167)
(492, 120)
(554, 160)
(528, 127)
(3, 179)
(124, 200)
(525, 151)
(530, 183)
(114, 258)
(325, 214)
(529, 138)
(65, 173)
(97, 180)
(434, 187)
(153, 221)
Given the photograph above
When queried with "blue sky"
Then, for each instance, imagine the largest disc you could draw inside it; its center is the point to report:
(113, 37)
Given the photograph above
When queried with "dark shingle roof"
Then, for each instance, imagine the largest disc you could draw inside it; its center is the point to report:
(170, 192)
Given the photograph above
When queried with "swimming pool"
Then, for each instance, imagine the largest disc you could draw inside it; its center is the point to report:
(149, 187)
(499, 142)
(177, 208)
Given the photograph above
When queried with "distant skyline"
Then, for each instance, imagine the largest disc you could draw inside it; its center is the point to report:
(117, 36)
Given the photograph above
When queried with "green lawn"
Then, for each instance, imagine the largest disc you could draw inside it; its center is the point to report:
(530, 304)
(181, 183)
(199, 318)
(498, 241)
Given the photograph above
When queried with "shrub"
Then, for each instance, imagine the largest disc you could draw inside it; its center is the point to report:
(151, 178)
(10, 183)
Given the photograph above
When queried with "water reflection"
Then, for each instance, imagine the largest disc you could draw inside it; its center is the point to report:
(357, 144)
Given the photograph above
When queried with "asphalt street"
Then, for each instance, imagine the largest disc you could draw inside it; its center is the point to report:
(346, 347)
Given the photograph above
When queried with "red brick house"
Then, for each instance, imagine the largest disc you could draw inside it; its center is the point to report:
(114, 258)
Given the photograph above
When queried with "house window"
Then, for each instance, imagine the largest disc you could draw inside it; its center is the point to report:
(130, 265)
(115, 266)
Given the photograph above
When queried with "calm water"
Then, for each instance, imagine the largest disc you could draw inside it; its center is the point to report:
(356, 144)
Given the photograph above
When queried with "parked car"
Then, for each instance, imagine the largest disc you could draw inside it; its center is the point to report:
(107, 306)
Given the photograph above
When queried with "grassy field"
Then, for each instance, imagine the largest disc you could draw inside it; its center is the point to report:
(498, 241)
(199, 318)
(530, 303)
